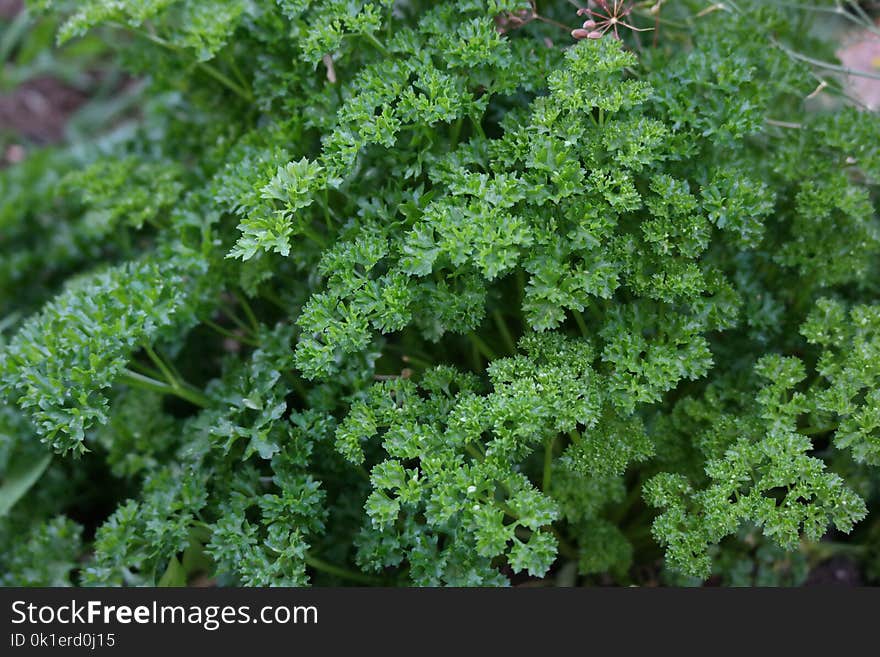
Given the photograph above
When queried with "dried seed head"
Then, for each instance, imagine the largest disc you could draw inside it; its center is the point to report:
(501, 23)
(512, 20)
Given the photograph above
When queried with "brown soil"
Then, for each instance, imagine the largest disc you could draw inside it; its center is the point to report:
(838, 571)
(38, 109)
(9, 8)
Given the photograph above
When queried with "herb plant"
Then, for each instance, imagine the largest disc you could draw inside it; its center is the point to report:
(446, 293)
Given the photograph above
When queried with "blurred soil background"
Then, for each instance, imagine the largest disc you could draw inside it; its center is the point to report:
(49, 94)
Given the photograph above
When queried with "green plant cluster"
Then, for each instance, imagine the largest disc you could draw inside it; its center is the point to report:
(432, 293)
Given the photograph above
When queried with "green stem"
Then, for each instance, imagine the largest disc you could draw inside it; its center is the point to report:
(503, 329)
(225, 81)
(660, 21)
(372, 39)
(581, 324)
(236, 71)
(548, 463)
(140, 368)
(866, 21)
(862, 20)
(229, 312)
(478, 127)
(826, 65)
(296, 383)
(325, 204)
(272, 297)
(229, 334)
(315, 237)
(408, 357)
(475, 358)
(634, 495)
(795, 5)
(342, 573)
(389, 20)
(826, 549)
(163, 368)
(135, 380)
(475, 452)
(565, 548)
(207, 68)
(481, 347)
(455, 132)
(248, 311)
(14, 33)
(418, 362)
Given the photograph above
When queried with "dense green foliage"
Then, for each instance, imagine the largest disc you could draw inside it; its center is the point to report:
(433, 293)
